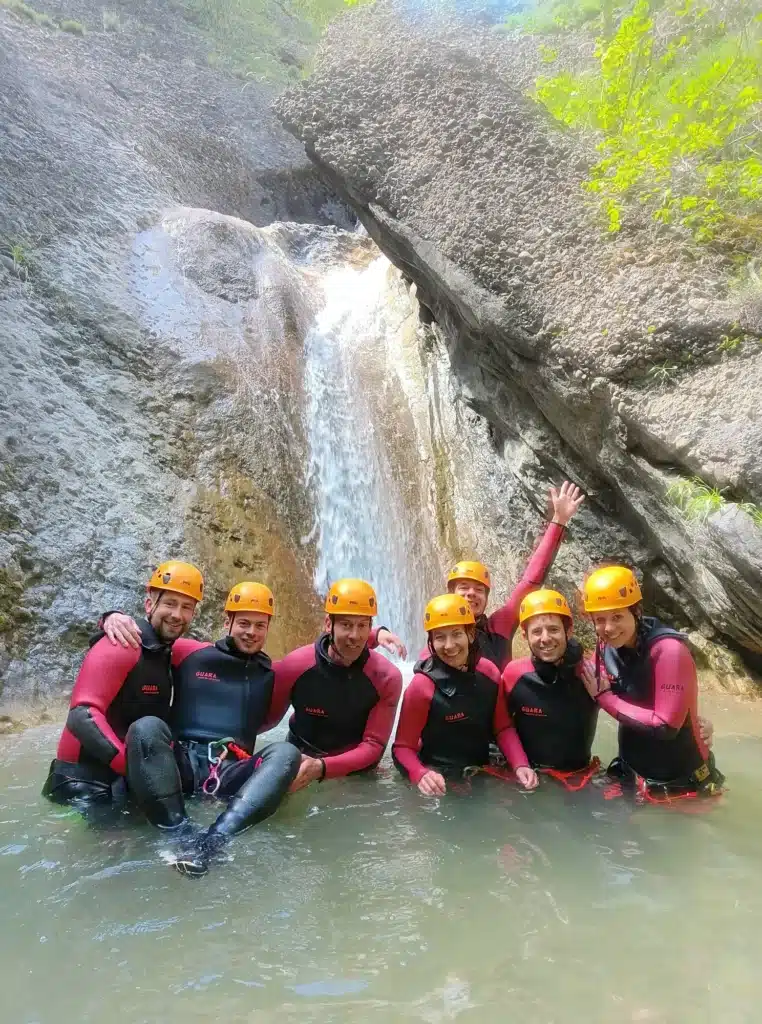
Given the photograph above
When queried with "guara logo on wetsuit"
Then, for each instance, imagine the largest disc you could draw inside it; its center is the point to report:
(551, 710)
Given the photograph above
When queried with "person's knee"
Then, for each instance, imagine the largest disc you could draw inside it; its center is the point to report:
(283, 756)
(148, 732)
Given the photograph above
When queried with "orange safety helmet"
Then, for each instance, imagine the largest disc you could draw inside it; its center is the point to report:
(470, 571)
(179, 578)
(250, 597)
(447, 610)
(543, 602)
(351, 597)
(610, 588)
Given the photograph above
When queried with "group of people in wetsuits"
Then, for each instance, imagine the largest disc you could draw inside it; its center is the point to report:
(167, 717)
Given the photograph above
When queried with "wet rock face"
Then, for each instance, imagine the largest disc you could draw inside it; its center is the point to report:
(555, 333)
(128, 433)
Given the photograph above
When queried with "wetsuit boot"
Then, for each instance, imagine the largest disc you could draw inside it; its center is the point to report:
(266, 778)
(153, 778)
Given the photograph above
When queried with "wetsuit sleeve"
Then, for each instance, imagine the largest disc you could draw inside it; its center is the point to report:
(512, 672)
(506, 619)
(378, 728)
(287, 671)
(416, 705)
(100, 679)
(506, 736)
(185, 646)
(675, 692)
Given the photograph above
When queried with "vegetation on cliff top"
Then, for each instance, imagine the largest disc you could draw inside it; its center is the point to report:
(675, 101)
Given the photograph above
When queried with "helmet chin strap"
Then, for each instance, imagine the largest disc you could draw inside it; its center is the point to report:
(154, 607)
(231, 616)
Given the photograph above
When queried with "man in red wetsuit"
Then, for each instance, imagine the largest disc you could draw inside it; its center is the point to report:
(473, 581)
(344, 696)
(120, 707)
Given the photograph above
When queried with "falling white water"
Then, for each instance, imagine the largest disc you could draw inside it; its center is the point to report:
(361, 527)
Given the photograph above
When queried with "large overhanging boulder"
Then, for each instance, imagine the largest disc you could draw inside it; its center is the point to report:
(601, 355)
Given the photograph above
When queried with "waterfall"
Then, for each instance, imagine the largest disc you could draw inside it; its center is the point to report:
(362, 526)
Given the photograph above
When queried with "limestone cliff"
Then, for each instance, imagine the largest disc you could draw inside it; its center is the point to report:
(553, 331)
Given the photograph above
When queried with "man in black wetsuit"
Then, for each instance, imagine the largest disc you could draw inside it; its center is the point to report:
(224, 692)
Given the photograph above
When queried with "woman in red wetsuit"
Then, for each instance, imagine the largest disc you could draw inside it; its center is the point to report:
(454, 708)
(645, 677)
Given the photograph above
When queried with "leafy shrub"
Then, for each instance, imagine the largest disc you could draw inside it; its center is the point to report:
(675, 101)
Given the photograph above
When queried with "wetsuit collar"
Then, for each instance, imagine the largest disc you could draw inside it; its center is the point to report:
(228, 645)
(322, 645)
(149, 640)
(445, 678)
(550, 672)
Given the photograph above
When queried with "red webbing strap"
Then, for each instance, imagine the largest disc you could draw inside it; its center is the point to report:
(574, 781)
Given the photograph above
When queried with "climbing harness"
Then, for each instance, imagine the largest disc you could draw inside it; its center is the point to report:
(226, 747)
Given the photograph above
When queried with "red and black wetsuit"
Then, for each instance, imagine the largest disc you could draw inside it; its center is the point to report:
(552, 711)
(342, 713)
(654, 697)
(495, 632)
(115, 687)
(449, 718)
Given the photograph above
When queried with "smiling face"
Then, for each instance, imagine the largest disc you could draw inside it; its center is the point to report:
(618, 628)
(451, 644)
(248, 630)
(350, 635)
(547, 636)
(170, 614)
(474, 592)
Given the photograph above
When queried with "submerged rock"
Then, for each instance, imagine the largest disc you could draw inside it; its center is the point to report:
(591, 357)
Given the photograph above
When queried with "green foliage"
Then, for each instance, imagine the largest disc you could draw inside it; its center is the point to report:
(19, 252)
(255, 39)
(554, 15)
(697, 500)
(76, 28)
(663, 374)
(752, 510)
(23, 10)
(675, 101)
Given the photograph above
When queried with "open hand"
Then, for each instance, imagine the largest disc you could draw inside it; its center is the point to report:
(122, 629)
(527, 777)
(432, 784)
(391, 642)
(310, 770)
(593, 685)
(565, 501)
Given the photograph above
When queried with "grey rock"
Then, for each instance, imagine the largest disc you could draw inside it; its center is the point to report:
(697, 423)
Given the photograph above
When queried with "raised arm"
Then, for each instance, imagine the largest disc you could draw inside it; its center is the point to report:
(565, 503)
(100, 679)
